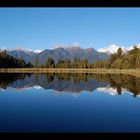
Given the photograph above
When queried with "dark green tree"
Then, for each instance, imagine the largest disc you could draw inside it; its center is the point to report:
(119, 52)
(49, 62)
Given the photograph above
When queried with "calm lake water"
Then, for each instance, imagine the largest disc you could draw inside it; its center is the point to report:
(69, 103)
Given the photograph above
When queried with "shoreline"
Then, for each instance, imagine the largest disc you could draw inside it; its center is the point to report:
(135, 72)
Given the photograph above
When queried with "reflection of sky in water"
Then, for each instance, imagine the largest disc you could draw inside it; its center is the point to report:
(35, 89)
(109, 84)
(53, 107)
(39, 110)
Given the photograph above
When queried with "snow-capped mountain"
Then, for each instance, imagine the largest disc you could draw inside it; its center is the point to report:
(66, 51)
(109, 90)
(113, 49)
(70, 52)
(28, 56)
(37, 51)
(60, 52)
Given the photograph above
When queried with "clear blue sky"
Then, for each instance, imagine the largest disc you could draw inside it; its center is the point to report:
(42, 28)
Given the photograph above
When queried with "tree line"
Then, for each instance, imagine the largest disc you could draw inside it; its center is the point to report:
(117, 81)
(119, 60)
(7, 61)
(64, 63)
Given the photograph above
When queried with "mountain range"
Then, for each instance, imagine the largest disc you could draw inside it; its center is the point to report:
(56, 84)
(113, 48)
(69, 52)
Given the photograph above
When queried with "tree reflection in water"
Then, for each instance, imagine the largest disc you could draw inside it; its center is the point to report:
(72, 82)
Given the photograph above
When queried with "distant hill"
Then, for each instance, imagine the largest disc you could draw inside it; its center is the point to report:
(69, 52)
(7, 61)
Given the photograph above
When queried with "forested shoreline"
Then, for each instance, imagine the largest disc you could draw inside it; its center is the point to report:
(7, 61)
(118, 60)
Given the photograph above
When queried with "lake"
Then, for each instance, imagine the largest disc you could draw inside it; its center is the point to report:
(69, 103)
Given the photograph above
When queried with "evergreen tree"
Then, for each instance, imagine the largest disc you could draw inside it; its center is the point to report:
(119, 52)
(7, 61)
(49, 62)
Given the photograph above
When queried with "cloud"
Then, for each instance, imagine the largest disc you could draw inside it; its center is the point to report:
(75, 44)
(16, 48)
(22, 48)
(58, 45)
(3, 48)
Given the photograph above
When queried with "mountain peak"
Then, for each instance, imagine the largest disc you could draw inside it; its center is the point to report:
(72, 46)
(59, 52)
(110, 49)
(37, 51)
(90, 49)
(22, 49)
(113, 48)
(75, 44)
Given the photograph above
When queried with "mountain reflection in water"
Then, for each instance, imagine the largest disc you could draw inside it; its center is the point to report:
(74, 83)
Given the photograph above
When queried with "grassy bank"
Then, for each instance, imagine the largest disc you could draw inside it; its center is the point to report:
(134, 72)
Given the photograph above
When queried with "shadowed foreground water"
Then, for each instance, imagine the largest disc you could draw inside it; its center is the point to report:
(69, 103)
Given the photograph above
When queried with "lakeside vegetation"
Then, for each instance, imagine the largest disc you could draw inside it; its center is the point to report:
(7, 61)
(133, 72)
(119, 62)
(6, 79)
(74, 82)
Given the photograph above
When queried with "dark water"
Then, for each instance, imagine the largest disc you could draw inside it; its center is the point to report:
(69, 103)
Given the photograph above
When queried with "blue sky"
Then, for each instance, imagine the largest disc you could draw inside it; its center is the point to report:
(43, 28)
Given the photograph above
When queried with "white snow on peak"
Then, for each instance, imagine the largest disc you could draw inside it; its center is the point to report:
(110, 49)
(37, 87)
(109, 90)
(67, 46)
(37, 51)
(22, 49)
(113, 48)
(76, 44)
(131, 47)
